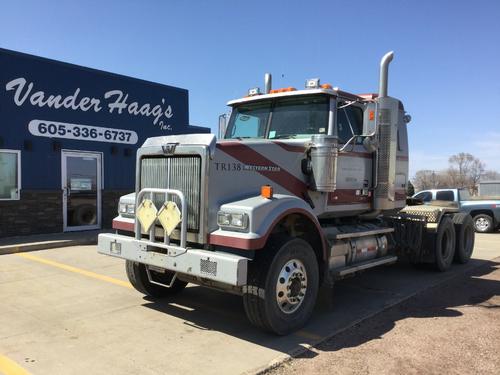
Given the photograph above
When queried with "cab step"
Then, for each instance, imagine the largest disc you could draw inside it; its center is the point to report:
(344, 271)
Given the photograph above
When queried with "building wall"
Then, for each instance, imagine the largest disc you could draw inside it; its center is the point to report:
(119, 113)
(489, 188)
(38, 211)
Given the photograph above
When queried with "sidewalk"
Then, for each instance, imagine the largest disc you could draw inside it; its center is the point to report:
(34, 242)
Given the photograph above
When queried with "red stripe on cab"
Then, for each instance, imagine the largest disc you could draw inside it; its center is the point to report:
(247, 155)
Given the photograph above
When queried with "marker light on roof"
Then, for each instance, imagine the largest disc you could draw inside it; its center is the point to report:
(254, 91)
(286, 89)
(312, 83)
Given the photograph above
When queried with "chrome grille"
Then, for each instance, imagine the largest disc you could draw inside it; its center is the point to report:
(175, 172)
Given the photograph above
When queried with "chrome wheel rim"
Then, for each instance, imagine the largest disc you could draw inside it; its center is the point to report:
(291, 286)
(482, 224)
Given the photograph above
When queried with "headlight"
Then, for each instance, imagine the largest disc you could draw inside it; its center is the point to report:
(124, 208)
(232, 220)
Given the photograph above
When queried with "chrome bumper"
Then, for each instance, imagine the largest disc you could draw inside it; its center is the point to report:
(222, 267)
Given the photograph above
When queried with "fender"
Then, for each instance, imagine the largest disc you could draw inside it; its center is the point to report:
(263, 216)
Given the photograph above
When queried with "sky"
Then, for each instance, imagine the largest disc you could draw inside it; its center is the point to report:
(446, 68)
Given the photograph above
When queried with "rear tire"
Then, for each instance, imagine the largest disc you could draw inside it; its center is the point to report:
(483, 223)
(282, 286)
(445, 244)
(464, 228)
(136, 273)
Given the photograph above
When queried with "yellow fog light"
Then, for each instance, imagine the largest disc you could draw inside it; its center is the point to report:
(169, 217)
(146, 214)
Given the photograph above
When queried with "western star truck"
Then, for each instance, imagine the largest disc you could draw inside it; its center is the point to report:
(305, 187)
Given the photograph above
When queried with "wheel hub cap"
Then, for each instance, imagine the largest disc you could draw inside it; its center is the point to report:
(482, 223)
(291, 286)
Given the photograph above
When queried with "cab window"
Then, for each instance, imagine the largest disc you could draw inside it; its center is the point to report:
(424, 196)
(446, 195)
(349, 122)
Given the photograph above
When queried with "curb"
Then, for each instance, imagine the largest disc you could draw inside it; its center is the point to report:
(48, 244)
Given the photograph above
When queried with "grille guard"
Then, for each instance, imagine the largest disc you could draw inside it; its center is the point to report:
(166, 192)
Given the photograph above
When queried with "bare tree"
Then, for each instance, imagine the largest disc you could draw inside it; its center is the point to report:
(428, 179)
(465, 171)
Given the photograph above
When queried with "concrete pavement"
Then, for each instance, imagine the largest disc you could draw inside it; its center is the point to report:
(72, 311)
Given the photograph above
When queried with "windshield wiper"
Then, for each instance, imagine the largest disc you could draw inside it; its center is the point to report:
(284, 136)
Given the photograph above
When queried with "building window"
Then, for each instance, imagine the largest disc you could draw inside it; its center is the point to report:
(10, 174)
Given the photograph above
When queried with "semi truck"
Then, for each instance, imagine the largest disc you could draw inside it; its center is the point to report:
(303, 188)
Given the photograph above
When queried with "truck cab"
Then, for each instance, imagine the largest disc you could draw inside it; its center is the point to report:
(303, 188)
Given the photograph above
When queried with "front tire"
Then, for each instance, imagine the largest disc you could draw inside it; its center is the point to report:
(282, 286)
(483, 223)
(136, 273)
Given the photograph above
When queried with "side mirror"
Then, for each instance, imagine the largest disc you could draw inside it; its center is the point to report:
(222, 125)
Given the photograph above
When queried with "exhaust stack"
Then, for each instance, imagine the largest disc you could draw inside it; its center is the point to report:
(268, 81)
(384, 74)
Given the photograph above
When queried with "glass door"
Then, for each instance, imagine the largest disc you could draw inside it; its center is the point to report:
(81, 185)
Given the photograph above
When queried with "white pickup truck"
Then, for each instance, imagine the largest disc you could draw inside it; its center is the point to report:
(485, 211)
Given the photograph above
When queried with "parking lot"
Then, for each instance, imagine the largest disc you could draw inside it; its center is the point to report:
(72, 311)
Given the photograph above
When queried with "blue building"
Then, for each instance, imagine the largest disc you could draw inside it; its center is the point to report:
(68, 140)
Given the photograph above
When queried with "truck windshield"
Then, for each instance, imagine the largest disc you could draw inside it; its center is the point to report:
(296, 117)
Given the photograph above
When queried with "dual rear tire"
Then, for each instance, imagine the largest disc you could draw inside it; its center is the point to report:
(454, 241)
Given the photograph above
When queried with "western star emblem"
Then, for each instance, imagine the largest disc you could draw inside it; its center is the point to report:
(169, 148)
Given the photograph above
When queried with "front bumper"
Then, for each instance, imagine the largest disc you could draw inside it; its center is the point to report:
(222, 267)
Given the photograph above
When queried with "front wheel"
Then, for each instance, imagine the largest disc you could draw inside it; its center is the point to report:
(138, 277)
(282, 289)
(483, 223)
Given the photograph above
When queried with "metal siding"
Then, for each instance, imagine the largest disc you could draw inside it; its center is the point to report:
(489, 188)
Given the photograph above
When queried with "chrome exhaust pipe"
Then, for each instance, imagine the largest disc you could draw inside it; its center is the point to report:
(268, 82)
(384, 74)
